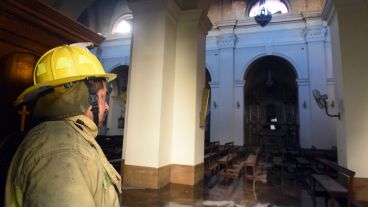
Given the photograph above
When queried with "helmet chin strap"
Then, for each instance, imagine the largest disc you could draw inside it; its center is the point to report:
(92, 98)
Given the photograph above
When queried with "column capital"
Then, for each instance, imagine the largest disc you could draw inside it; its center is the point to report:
(226, 41)
(315, 34)
(239, 83)
(302, 82)
(214, 84)
(198, 17)
(330, 81)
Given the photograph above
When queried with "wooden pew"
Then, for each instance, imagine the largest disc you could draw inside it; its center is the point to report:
(213, 147)
(211, 167)
(251, 161)
(341, 186)
(227, 160)
(258, 173)
(231, 169)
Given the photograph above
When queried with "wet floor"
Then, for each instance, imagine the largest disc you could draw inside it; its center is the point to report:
(220, 192)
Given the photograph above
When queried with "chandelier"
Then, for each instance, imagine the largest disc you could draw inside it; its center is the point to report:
(263, 16)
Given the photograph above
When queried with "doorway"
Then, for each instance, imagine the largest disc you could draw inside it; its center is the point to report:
(270, 96)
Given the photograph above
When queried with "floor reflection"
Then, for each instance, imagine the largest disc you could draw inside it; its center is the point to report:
(219, 192)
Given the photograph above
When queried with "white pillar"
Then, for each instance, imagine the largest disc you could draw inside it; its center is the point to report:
(226, 43)
(150, 93)
(305, 139)
(239, 112)
(349, 54)
(349, 58)
(187, 146)
(317, 61)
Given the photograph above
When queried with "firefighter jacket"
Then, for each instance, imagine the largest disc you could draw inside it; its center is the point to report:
(59, 163)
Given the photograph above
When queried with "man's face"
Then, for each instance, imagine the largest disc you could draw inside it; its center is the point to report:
(103, 107)
(102, 104)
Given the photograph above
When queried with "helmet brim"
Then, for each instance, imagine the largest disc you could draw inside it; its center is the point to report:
(32, 92)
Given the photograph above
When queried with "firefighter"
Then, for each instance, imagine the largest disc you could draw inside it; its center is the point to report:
(59, 162)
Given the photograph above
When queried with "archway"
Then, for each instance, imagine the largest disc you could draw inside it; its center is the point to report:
(117, 100)
(111, 134)
(207, 129)
(270, 95)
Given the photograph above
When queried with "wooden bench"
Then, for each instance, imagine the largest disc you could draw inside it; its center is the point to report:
(342, 186)
(231, 169)
(211, 167)
(236, 171)
(258, 173)
(228, 159)
(213, 147)
(251, 161)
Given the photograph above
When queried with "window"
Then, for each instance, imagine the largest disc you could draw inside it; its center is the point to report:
(123, 25)
(274, 6)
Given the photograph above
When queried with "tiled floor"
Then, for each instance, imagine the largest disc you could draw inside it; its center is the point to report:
(218, 192)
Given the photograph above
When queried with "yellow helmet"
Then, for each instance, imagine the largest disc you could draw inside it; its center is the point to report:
(61, 65)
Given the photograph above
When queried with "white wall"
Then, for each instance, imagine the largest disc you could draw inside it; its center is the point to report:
(231, 51)
(301, 42)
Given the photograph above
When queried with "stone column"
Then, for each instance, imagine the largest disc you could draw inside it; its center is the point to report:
(149, 117)
(305, 139)
(315, 38)
(239, 112)
(226, 43)
(187, 146)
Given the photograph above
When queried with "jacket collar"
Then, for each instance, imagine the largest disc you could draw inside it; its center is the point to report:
(84, 124)
(88, 129)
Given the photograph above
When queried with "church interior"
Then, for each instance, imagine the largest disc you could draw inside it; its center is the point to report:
(217, 102)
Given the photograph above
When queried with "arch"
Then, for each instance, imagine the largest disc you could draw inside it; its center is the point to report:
(271, 102)
(122, 80)
(251, 3)
(125, 18)
(280, 55)
(209, 71)
(120, 64)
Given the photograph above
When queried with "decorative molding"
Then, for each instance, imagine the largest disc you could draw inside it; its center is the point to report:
(314, 35)
(205, 25)
(302, 82)
(330, 81)
(226, 41)
(239, 83)
(214, 84)
(225, 24)
(196, 17)
(328, 11)
(173, 10)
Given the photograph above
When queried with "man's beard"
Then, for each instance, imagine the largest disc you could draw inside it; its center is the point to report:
(103, 119)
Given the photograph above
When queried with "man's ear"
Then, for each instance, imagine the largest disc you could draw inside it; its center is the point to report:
(88, 113)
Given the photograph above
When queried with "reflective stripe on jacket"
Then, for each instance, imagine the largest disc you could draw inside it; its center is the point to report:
(59, 163)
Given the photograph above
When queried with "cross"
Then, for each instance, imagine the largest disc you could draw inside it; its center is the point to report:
(23, 115)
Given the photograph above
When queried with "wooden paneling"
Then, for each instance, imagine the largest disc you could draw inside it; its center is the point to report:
(146, 177)
(186, 174)
(155, 178)
(30, 26)
(361, 189)
(37, 27)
